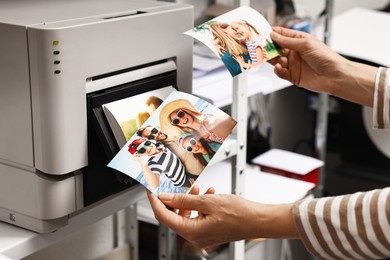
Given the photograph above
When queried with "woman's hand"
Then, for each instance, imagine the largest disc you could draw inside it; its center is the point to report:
(307, 62)
(218, 219)
(221, 218)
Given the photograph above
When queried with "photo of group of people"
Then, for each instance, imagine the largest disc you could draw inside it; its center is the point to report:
(174, 145)
(240, 38)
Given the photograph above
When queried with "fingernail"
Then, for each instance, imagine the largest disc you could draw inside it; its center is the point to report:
(165, 196)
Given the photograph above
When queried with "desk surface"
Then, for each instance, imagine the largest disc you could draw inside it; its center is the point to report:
(17, 243)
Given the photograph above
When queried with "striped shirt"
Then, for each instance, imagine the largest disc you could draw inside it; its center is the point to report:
(168, 163)
(355, 226)
(252, 45)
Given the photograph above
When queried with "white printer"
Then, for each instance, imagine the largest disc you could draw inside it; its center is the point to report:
(60, 60)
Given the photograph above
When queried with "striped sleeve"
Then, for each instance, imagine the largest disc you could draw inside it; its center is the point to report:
(355, 226)
(381, 107)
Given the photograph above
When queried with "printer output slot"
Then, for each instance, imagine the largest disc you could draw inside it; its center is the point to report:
(104, 81)
(98, 119)
(99, 180)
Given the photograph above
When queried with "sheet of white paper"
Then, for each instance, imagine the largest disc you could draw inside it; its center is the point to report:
(288, 161)
(259, 186)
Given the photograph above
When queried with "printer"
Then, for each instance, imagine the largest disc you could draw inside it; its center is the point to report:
(60, 60)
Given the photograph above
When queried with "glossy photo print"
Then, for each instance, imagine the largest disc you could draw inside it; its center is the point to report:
(126, 116)
(175, 144)
(240, 38)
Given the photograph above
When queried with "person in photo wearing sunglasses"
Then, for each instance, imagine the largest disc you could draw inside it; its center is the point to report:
(201, 149)
(156, 159)
(180, 116)
(193, 166)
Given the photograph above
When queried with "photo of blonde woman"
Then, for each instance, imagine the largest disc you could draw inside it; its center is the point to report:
(240, 38)
(181, 116)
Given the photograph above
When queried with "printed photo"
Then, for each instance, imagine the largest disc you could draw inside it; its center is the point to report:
(175, 144)
(240, 38)
(127, 115)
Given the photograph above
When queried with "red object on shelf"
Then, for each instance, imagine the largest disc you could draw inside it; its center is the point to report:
(312, 176)
(289, 164)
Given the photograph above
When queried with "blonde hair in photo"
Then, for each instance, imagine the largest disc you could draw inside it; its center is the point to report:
(173, 106)
(250, 26)
(226, 42)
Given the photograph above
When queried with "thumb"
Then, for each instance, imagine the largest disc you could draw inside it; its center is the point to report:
(181, 201)
(288, 42)
(163, 214)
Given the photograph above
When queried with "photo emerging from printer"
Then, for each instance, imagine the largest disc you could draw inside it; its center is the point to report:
(240, 38)
(126, 116)
(174, 145)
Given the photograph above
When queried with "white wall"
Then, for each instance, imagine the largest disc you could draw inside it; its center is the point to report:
(314, 7)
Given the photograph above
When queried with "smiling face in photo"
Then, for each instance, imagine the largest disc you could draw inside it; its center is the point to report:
(229, 30)
(181, 118)
(241, 30)
(154, 133)
(190, 144)
(147, 148)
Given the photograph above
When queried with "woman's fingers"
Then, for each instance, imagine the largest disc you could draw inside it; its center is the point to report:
(282, 61)
(183, 201)
(210, 190)
(187, 213)
(288, 32)
(164, 214)
(290, 39)
(282, 72)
